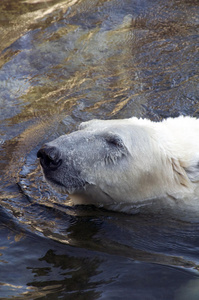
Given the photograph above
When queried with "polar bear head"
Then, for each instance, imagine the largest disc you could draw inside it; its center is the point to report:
(114, 162)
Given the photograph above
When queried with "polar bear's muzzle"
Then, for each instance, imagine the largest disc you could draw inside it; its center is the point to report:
(58, 172)
(50, 158)
(83, 162)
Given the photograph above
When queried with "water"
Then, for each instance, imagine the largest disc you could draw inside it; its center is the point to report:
(63, 62)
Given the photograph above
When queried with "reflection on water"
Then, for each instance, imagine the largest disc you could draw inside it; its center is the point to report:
(63, 62)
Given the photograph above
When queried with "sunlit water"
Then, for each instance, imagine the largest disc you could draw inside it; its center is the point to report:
(63, 62)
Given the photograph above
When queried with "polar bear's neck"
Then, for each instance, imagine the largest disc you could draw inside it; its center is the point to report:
(179, 138)
(176, 151)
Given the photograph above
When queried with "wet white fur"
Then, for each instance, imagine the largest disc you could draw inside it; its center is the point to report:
(163, 164)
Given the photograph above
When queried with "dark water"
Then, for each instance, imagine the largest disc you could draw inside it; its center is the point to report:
(63, 62)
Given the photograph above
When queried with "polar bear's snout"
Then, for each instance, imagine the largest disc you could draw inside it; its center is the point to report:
(59, 167)
(50, 157)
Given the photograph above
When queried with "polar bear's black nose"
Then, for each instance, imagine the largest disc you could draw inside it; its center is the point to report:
(49, 157)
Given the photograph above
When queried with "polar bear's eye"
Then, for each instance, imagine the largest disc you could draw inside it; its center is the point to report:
(116, 148)
(114, 140)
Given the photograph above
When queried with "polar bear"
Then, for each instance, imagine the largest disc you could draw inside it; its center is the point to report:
(127, 165)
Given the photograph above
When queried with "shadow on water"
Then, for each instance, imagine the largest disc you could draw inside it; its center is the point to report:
(63, 62)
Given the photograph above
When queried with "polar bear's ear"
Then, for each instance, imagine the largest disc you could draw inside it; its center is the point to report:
(180, 174)
(82, 125)
(85, 124)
